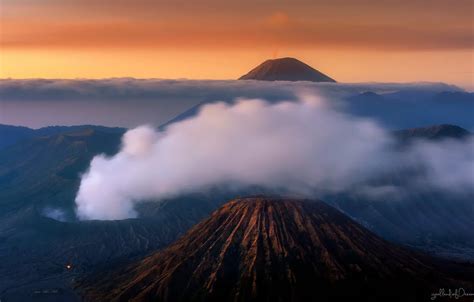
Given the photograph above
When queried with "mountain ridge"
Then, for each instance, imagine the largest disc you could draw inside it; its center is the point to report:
(434, 132)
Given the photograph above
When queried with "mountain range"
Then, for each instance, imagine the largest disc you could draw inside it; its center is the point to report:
(402, 109)
(9, 135)
(40, 236)
(395, 110)
(197, 246)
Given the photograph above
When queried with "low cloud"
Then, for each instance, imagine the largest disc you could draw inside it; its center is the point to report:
(121, 89)
(127, 102)
(303, 147)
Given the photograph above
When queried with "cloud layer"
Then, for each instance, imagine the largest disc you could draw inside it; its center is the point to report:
(129, 102)
(303, 147)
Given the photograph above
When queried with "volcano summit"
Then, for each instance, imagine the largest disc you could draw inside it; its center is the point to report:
(286, 69)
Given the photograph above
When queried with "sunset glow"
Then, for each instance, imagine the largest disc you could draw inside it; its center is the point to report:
(353, 41)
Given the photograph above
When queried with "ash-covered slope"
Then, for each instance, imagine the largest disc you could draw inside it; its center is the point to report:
(286, 69)
(259, 249)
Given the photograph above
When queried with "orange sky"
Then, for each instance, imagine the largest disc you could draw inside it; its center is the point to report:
(364, 40)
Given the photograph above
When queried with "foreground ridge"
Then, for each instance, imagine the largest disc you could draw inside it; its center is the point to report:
(275, 249)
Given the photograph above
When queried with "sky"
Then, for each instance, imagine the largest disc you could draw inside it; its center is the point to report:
(351, 41)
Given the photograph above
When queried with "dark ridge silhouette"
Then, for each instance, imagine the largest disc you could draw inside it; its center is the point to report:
(434, 132)
(276, 249)
(286, 69)
(10, 135)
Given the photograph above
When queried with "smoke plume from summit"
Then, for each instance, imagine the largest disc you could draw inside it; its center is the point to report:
(302, 146)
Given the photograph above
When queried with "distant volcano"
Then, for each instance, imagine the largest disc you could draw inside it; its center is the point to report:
(272, 249)
(286, 69)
